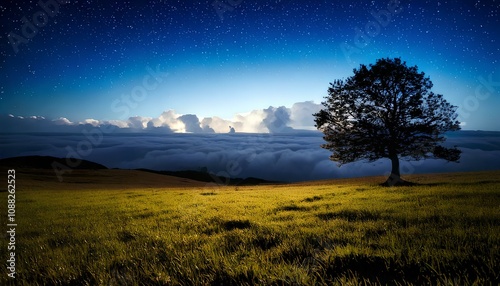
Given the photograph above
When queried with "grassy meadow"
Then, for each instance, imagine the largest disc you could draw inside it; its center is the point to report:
(445, 231)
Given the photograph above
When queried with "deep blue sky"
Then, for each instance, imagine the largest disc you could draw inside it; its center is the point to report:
(254, 55)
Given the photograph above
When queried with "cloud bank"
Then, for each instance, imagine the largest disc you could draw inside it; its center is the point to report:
(270, 120)
(280, 157)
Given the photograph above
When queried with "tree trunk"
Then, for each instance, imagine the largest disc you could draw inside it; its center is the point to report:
(395, 177)
(395, 167)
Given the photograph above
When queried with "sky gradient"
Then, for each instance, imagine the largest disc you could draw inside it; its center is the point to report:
(107, 61)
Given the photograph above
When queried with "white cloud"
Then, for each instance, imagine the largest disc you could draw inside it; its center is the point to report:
(250, 122)
(270, 120)
(138, 122)
(62, 121)
(192, 123)
(36, 117)
(92, 122)
(170, 118)
(301, 114)
(117, 123)
(218, 124)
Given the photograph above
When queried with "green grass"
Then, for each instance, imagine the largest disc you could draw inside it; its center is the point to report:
(446, 231)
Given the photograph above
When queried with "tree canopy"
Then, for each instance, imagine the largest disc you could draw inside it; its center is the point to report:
(386, 110)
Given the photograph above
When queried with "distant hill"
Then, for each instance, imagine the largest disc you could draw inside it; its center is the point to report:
(207, 177)
(45, 162)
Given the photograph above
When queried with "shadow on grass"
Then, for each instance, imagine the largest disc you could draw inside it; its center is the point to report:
(398, 183)
(212, 226)
(208, 194)
(292, 207)
(390, 271)
(126, 236)
(438, 184)
(312, 199)
(236, 224)
(350, 215)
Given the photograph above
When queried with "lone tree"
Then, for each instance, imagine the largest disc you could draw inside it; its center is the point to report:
(386, 110)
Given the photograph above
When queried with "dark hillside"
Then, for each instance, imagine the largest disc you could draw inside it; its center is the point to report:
(45, 162)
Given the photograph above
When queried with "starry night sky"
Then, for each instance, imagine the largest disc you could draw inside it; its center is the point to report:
(252, 55)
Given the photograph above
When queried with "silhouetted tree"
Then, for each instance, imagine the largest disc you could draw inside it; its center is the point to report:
(386, 110)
